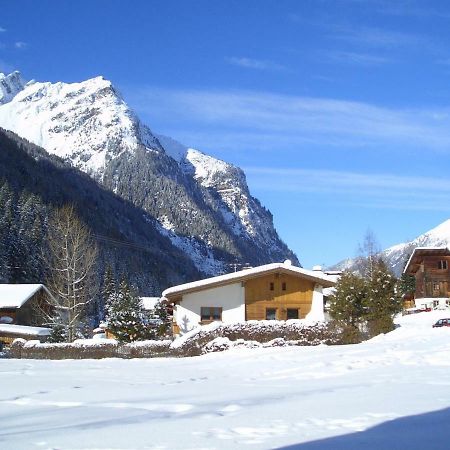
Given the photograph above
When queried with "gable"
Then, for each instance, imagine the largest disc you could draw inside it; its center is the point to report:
(13, 296)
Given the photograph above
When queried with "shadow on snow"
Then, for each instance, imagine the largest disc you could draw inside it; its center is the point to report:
(428, 431)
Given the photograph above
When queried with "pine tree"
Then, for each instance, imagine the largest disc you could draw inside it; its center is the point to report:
(347, 303)
(109, 284)
(383, 301)
(160, 313)
(125, 317)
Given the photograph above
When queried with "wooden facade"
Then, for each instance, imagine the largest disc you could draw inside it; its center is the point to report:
(29, 313)
(431, 269)
(276, 291)
(282, 292)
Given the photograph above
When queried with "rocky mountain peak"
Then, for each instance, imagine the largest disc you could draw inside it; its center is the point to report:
(10, 85)
(201, 203)
(86, 123)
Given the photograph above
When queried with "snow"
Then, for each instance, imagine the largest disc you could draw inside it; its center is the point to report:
(388, 393)
(83, 122)
(202, 256)
(24, 330)
(149, 303)
(172, 148)
(10, 85)
(16, 295)
(230, 277)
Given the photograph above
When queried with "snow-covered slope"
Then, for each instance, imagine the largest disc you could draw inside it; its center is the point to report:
(397, 255)
(203, 203)
(389, 393)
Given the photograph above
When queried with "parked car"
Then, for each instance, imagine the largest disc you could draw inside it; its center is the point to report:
(442, 323)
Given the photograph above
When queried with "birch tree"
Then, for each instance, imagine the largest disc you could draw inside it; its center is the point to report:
(71, 260)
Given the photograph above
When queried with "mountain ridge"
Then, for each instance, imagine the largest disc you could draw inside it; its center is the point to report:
(201, 203)
(397, 255)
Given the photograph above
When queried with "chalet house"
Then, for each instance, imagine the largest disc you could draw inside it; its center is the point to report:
(431, 268)
(269, 292)
(18, 316)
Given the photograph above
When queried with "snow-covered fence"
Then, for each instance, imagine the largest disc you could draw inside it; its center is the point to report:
(88, 349)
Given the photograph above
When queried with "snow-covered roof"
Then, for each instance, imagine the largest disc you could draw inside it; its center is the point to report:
(149, 303)
(423, 250)
(16, 295)
(234, 277)
(24, 330)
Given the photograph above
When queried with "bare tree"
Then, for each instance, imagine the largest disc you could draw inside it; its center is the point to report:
(369, 255)
(71, 260)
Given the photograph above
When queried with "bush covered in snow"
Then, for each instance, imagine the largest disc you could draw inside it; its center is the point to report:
(88, 349)
(217, 336)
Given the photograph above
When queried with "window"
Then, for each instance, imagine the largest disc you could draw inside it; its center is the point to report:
(271, 314)
(292, 313)
(271, 286)
(442, 265)
(435, 286)
(283, 286)
(210, 313)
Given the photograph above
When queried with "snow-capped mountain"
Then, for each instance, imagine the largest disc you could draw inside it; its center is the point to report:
(242, 212)
(203, 204)
(10, 85)
(85, 123)
(397, 255)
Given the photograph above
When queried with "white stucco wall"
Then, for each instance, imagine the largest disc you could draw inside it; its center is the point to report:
(317, 312)
(433, 303)
(231, 298)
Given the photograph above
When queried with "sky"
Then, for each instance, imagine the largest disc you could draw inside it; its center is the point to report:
(338, 111)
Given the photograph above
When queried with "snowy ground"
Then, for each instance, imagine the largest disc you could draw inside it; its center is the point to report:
(389, 393)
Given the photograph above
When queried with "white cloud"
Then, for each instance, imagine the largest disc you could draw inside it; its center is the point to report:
(263, 120)
(376, 37)
(20, 45)
(363, 59)
(379, 190)
(257, 64)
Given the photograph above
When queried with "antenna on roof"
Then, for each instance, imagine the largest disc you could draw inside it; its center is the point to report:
(239, 266)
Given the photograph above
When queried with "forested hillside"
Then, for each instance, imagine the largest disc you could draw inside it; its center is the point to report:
(33, 184)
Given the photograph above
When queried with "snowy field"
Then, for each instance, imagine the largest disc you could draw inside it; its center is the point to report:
(389, 393)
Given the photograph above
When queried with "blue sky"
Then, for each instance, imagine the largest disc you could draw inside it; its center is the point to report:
(337, 110)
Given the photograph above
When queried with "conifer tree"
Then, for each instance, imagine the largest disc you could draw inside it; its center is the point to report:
(382, 302)
(347, 303)
(125, 317)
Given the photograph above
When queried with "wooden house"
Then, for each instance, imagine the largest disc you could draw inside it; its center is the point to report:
(18, 306)
(18, 302)
(270, 292)
(430, 267)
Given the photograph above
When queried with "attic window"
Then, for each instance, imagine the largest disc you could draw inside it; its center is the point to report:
(271, 286)
(283, 286)
(442, 265)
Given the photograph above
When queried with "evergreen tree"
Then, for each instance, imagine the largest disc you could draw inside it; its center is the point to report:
(125, 317)
(406, 284)
(382, 301)
(109, 284)
(347, 303)
(163, 320)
